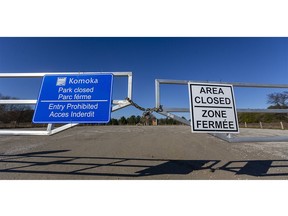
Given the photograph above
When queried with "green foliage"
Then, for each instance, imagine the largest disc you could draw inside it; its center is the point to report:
(113, 122)
(122, 121)
(134, 120)
(262, 117)
(277, 101)
(131, 120)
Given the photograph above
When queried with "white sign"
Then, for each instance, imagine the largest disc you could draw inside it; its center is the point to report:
(212, 108)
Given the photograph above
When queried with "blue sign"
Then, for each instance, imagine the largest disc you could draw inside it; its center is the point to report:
(74, 99)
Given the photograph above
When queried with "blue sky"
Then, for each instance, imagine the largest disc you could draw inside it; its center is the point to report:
(255, 60)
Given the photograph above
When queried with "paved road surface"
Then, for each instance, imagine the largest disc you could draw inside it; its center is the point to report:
(140, 152)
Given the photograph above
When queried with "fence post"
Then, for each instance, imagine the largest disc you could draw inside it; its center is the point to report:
(261, 126)
(245, 124)
(282, 127)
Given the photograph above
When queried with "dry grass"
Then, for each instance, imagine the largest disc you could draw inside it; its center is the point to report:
(272, 125)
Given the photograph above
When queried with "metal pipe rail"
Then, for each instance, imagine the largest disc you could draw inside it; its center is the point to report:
(227, 137)
(118, 104)
(235, 84)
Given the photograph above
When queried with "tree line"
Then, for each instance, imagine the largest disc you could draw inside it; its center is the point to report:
(24, 113)
(18, 113)
(15, 112)
(278, 101)
(135, 120)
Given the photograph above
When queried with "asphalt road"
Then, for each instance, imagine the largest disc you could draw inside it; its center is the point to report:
(140, 152)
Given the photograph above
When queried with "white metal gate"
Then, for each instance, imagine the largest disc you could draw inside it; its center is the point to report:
(117, 104)
(168, 112)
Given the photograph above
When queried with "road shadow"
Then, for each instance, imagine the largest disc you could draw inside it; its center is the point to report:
(257, 168)
(180, 167)
(56, 163)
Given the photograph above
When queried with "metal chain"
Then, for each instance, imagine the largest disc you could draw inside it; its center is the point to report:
(146, 111)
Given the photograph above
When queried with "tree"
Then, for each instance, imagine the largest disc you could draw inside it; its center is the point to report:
(113, 122)
(138, 119)
(122, 121)
(278, 100)
(14, 112)
(131, 120)
(12, 107)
